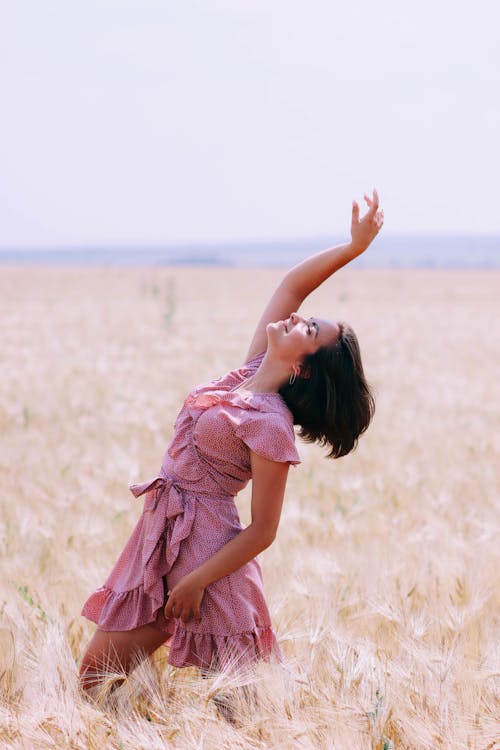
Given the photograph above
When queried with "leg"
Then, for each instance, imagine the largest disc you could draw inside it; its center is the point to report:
(117, 651)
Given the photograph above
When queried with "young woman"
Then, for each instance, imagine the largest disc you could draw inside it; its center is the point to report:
(188, 573)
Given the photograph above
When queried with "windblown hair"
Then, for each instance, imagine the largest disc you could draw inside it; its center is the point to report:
(333, 403)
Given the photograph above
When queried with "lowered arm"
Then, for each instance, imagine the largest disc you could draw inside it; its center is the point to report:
(268, 489)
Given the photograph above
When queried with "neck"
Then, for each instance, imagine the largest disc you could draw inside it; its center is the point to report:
(269, 377)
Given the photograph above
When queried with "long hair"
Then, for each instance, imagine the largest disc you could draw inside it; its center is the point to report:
(332, 403)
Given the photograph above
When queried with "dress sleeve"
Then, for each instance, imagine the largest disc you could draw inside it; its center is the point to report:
(270, 435)
(252, 364)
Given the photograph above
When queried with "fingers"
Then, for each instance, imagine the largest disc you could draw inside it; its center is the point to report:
(170, 608)
(184, 602)
(373, 208)
(373, 204)
(374, 200)
(176, 613)
(182, 613)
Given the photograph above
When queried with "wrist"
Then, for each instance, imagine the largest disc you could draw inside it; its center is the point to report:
(196, 578)
(356, 248)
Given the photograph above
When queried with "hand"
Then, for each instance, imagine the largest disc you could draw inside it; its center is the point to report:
(184, 600)
(364, 230)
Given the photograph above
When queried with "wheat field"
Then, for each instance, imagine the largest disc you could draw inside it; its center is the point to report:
(383, 582)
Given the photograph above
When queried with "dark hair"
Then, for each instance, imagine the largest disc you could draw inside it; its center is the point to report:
(333, 403)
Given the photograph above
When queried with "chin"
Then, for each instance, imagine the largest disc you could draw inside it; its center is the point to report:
(272, 327)
(273, 333)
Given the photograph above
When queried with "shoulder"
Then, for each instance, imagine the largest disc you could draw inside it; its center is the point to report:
(267, 429)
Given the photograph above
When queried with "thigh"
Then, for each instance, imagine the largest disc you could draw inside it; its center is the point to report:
(111, 652)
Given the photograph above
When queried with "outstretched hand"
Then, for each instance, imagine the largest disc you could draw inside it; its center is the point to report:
(184, 600)
(365, 229)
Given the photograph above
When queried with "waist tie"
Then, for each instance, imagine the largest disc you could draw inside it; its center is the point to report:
(155, 488)
(167, 520)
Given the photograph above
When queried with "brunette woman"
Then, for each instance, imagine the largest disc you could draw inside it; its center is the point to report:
(188, 574)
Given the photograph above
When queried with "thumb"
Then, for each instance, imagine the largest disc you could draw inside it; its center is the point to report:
(355, 211)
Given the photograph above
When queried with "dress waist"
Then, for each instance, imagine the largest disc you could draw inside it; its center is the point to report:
(169, 513)
(164, 481)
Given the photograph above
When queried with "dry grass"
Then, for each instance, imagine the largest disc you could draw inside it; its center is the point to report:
(383, 582)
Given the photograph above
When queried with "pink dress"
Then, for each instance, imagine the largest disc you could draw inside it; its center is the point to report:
(189, 513)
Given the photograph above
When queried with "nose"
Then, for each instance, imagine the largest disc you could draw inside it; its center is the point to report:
(295, 318)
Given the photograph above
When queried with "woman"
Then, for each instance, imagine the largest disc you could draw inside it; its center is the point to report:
(188, 573)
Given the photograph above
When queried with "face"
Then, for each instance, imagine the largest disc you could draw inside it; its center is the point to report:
(297, 337)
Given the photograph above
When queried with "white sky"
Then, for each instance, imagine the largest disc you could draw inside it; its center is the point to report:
(153, 122)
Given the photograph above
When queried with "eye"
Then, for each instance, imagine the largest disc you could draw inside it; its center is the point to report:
(313, 326)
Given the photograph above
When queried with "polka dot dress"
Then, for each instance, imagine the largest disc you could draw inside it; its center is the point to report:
(189, 514)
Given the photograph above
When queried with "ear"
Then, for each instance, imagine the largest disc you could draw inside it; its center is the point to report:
(303, 371)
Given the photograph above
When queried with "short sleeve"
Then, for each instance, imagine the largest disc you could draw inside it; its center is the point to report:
(269, 434)
(252, 364)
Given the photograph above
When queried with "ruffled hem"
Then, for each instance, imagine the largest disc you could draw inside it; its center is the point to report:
(122, 611)
(218, 653)
(114, 610)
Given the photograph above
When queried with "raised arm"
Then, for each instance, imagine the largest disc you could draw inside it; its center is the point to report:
(305, 277)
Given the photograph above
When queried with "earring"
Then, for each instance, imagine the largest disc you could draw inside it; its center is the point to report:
(293, 378)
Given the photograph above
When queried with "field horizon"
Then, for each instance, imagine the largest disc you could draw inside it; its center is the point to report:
(383, 582)
(393, 251)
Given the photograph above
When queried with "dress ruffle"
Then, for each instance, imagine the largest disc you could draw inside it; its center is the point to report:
(208, 651)
(219, 652)
(254, 428)
(110, 608)
(189, 514)
(167, 520)
(254, 417)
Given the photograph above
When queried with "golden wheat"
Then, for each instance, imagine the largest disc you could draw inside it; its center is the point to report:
(383, 581)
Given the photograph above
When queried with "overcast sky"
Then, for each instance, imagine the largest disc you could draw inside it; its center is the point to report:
(156, 122)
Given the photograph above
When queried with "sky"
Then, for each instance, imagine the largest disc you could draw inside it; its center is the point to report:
(144, 122)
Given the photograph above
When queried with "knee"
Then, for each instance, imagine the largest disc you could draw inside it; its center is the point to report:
(94, 678)
(89, 676)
